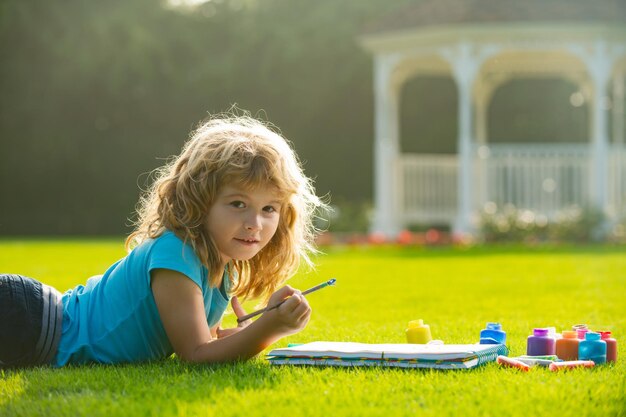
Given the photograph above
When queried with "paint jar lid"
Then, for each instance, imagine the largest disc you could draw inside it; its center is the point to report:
(494, 326)
(581, 333)
(540, 331)
(592, 336)
(579, 326)
(605, 335)
(416, 324)
(569, 334)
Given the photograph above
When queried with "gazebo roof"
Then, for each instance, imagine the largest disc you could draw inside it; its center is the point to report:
(424, 13)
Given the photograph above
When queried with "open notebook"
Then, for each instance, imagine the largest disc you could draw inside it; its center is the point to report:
(388, 355)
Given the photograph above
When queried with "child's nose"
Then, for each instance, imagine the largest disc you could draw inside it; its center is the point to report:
(253, 222)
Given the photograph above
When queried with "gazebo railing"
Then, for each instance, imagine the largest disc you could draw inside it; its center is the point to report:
(544, 178)
(427, 188)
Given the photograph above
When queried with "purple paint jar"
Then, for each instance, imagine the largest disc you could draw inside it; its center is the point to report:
(540, 343)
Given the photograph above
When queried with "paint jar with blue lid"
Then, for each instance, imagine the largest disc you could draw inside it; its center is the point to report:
(492, 334)
(593, 348)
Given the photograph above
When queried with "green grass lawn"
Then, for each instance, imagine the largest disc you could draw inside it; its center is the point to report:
(378, 291)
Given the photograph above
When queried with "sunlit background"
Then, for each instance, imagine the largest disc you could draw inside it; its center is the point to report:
(95, 95)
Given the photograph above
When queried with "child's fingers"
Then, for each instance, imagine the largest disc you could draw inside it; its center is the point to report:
(215, 329)
(239, 311)
(305, 318)
(283, 293)
(293, 302)
(302, 307)
(298, 309)
(237, 307)
(221, 333)
(302, 311)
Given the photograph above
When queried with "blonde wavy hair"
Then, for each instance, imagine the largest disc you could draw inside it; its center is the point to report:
(243, 152)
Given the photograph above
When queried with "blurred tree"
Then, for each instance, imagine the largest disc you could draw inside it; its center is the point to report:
(95, 94)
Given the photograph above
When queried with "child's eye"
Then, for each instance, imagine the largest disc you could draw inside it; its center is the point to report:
(269, 209)
(238, 204)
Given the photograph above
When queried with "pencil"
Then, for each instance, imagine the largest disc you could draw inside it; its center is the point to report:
(263, 310)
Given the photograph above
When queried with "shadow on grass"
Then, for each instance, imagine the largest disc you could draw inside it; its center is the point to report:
(172, 372)
(157, 388)
(171, 378)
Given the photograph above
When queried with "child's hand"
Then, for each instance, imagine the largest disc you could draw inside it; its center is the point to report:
(292, 315)
(239, 312)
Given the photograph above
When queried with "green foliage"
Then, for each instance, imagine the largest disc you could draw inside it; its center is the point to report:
(347, 216)
(378, 291)
(572, 224)
(96, 94)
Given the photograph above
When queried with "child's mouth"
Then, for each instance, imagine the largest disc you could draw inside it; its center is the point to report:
(247, 241)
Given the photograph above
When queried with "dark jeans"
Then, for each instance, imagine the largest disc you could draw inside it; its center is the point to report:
(31, 317)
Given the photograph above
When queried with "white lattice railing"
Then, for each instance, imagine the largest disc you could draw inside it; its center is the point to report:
(428, 188)
(542, 178)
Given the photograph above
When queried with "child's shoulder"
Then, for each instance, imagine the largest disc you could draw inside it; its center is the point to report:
(168, 236)
(169, 242)
(167, 239)
(167, 251)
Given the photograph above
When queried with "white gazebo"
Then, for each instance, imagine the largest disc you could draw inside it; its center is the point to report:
(482, 44)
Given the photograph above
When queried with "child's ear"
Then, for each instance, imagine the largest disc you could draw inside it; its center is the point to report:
(289, 216)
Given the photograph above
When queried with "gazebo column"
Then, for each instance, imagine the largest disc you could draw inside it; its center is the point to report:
(465, 66)
(618, 140)
(598, 63)
(483, 93)
(481, 105)
(599, 67)
(618, 108)
(385, 147)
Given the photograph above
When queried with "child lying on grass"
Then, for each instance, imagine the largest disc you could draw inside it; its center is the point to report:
(229, 218)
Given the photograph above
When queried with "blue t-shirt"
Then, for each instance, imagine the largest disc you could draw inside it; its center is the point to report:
(114, 317)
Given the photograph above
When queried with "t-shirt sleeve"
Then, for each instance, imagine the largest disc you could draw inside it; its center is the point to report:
(169, 252)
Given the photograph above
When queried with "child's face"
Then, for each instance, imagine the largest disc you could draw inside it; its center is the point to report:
(243, 222)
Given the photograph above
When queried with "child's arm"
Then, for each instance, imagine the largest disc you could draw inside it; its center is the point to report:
(180, 304)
